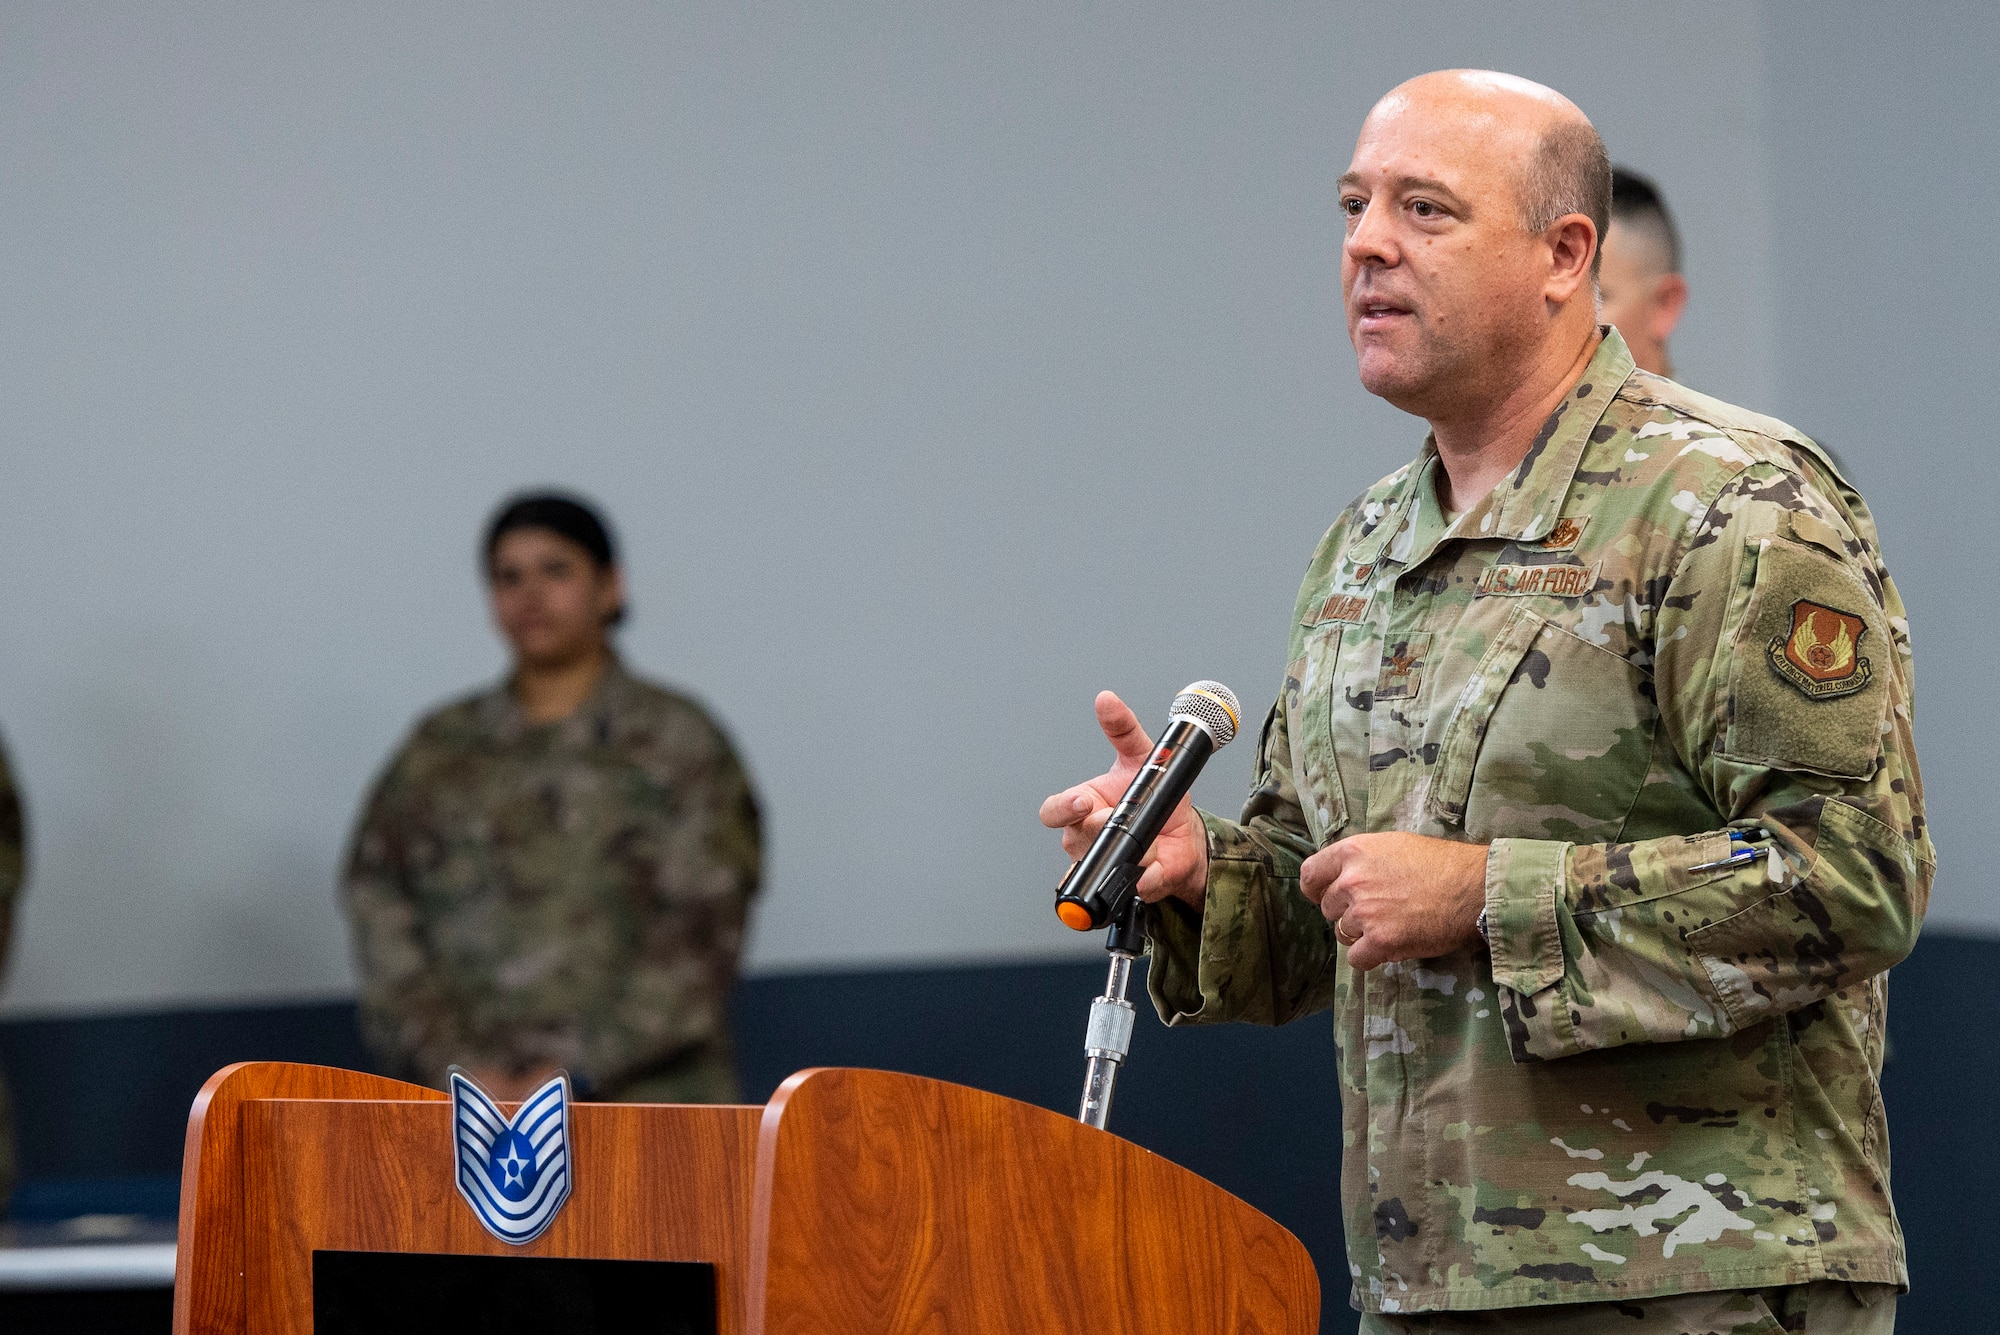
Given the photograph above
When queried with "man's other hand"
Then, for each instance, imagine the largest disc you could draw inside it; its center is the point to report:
(1397, 896)
(1177, 863)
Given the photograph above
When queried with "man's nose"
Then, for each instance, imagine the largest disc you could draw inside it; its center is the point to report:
(1370, 238)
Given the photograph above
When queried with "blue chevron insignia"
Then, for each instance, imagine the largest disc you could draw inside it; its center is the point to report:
(514, 1174)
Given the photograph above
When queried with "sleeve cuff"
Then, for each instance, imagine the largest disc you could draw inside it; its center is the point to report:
(1524, 881)
(1194, 955)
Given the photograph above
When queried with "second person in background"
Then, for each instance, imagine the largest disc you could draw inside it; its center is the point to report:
(1640, 289)
(556, 871)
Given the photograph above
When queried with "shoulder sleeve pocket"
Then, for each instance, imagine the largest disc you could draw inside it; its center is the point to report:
(1808, 677)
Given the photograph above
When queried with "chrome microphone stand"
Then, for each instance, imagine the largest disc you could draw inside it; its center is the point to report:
(1109, 1037)
(1101, 888)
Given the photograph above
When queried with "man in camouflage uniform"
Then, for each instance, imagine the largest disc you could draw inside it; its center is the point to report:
(13, 872)
(1640, 289)
(564, 883)
(1589, 803)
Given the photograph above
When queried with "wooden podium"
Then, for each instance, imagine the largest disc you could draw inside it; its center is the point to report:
(855, 1203)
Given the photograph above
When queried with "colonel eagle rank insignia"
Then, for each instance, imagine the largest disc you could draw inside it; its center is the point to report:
(513, 1173)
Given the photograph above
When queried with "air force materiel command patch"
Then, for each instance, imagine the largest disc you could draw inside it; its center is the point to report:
(1821, 654)
(514, 1174)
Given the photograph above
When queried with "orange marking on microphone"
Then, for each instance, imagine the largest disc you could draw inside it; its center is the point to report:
(1075, 916)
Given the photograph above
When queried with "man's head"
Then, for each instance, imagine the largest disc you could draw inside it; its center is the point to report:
(1474, 207)
(554, 577)
(1640, 288)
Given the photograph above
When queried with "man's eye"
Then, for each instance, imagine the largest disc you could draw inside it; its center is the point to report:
(1423, 208)
(1352, 207)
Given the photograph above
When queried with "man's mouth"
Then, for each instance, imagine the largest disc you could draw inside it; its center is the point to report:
(1378, 313)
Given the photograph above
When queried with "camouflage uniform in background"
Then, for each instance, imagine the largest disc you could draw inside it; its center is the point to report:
(1658, 1074)
(570, 894)
(13, 872)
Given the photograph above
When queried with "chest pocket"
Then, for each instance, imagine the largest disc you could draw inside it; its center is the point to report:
(1550, 738)
(1321, 793)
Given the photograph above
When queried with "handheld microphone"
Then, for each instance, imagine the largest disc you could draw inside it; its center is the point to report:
(1201, 722)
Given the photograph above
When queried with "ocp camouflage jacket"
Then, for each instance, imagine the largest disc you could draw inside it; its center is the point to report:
(566, 894)
(1662, 672)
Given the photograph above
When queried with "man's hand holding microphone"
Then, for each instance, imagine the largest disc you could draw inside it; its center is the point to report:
(1177, 863)
(1390, 896)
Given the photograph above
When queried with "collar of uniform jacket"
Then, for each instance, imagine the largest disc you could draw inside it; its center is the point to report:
(1525, 507)
(501, 712)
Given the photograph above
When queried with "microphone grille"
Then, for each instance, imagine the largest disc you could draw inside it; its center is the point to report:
(1213, 706)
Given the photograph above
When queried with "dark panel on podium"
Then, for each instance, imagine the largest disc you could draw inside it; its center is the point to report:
(404, 1293)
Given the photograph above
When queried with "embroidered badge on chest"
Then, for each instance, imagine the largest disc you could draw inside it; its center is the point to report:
(1402, 674)
(1553, 581)
(1342, 607)
(513, 1173)
(1821, 655)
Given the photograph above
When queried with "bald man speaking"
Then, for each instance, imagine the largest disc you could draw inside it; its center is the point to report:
(1588, 803)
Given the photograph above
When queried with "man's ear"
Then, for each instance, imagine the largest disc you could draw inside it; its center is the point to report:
(1670, 298)
(1572, 241)
(614, 587)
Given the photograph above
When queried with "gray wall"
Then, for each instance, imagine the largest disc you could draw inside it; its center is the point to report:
(886, 332)
(1886, 176)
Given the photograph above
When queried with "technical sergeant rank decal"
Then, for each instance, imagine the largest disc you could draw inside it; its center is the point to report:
(514, 1174)
(1820, 655)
